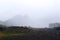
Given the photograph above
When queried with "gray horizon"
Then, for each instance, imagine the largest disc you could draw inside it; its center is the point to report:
(41, 12)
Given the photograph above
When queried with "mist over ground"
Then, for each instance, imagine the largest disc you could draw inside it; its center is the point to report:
(40, 12)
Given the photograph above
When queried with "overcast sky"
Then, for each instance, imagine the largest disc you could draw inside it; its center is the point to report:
(43, 10)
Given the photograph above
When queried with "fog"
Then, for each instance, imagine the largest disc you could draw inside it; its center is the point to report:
(39, 12)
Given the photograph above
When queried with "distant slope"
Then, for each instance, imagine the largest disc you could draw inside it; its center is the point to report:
(2, 23)
(18, 21)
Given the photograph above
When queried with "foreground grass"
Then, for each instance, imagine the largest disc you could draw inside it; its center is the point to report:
(2, 35)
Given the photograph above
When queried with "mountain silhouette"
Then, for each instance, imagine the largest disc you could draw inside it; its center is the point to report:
(18, 20)
(2, 23)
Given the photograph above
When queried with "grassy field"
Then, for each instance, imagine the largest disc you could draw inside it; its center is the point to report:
(2, 35)
(24, 33)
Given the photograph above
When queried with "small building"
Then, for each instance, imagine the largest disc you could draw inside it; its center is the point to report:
(51, 25)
